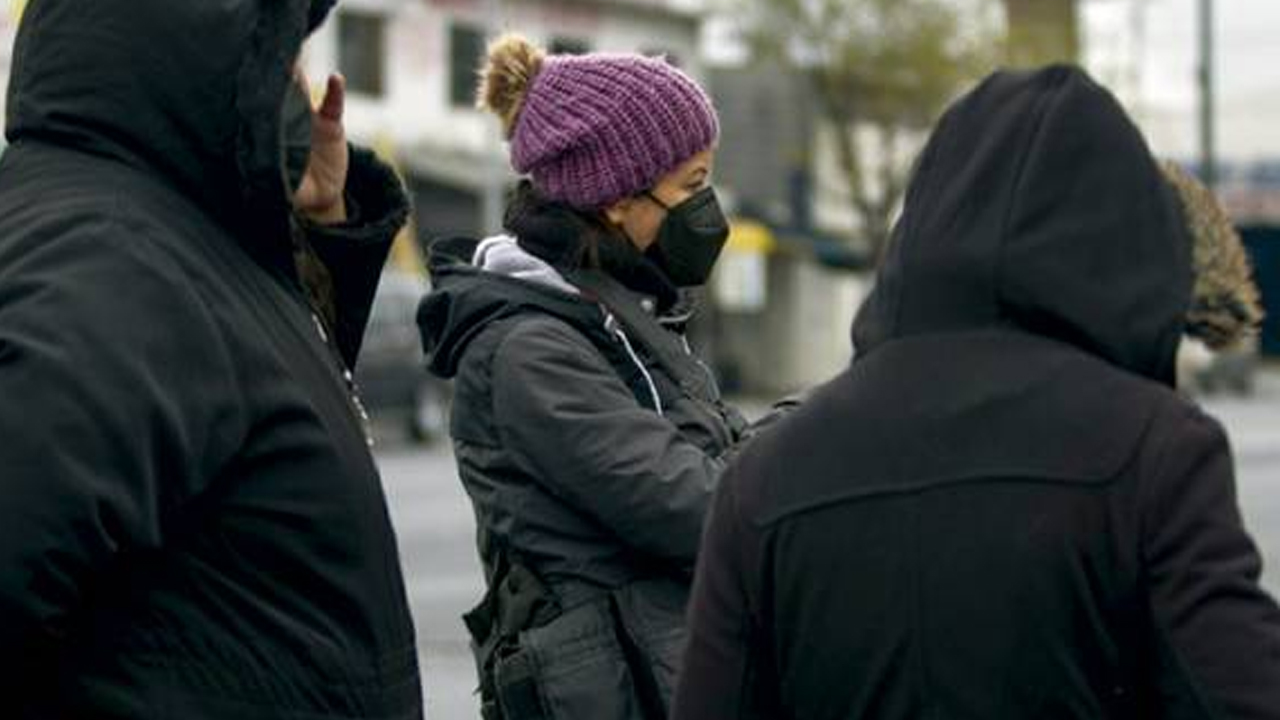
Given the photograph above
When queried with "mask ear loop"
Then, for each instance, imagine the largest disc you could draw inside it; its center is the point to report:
(654, 198)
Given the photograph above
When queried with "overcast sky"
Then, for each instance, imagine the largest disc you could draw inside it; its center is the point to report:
(1155, 71)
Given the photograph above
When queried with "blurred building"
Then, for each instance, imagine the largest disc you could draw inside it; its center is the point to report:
(411, 68)
(1250, 191)
(783, 297)
(1262, 239)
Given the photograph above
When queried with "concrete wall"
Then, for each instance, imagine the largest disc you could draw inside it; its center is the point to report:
(766, 138)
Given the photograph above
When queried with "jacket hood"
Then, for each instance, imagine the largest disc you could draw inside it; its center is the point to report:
(1036, 204)
(191, 92)
(466, 299)
(569, 240)
(503, 255)
(1226, 306)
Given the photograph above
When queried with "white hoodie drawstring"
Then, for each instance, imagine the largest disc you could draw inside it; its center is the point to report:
(611, 325)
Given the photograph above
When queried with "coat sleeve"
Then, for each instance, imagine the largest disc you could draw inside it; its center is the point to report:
(355, 251)
(117, 403)
(1218, 632)
(569, 420)
(720, 676)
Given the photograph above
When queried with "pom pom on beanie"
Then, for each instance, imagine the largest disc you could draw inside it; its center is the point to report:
(512, 64)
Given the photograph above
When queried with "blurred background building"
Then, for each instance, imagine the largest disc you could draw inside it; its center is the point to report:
(411, 69)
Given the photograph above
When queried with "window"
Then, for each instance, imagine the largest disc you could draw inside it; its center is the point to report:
(466, 52)
(362, 52)
(569, 46)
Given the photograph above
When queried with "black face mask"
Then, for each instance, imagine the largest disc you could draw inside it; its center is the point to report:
(295, 135)
(690, 238)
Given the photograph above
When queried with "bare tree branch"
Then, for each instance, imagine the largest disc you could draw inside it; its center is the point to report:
(888, 65)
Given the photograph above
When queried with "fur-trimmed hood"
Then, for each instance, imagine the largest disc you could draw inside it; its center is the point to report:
(1226, 306)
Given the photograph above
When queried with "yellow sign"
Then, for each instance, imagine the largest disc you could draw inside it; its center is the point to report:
(405, 253)
(749, 236)
(15, 9)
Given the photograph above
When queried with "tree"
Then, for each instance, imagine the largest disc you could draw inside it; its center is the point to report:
(1042, 31)
(881, 71)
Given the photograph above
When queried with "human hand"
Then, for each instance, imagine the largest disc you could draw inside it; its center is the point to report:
(320, 196)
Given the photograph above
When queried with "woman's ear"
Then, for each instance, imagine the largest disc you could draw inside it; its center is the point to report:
(617, 213)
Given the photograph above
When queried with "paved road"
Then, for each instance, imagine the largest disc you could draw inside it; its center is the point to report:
(437, 545)
(1254, 428)
(436, 531)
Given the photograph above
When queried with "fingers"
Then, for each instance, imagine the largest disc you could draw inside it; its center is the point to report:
(335, 99)
(300, 78)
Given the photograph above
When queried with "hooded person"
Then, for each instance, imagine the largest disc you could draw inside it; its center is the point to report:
(586, 434)
(192, 524)
(1003, 509)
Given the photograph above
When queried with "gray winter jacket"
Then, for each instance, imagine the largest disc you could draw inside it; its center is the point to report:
(586, 462)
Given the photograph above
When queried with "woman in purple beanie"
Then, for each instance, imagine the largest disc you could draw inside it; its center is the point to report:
(588, 436)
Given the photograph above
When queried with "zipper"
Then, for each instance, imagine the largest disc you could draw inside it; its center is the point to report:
(299, 293)
(711, 377)
(348, 379)
(717, 408)
(611, 325)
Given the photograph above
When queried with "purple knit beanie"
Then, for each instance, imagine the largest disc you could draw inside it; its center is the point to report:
(593, 129)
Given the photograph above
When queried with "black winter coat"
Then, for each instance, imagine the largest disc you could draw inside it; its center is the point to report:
(191, 522)
(1002, 509)
(585, 461)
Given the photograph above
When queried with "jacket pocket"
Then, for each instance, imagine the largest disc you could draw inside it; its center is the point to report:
(652, 614)
(580, 667)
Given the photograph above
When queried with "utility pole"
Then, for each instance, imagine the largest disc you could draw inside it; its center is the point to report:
(1208, 153)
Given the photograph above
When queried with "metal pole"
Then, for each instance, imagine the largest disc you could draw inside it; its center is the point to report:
(1208, 153)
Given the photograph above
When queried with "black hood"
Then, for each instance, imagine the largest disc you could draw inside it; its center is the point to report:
(1037, 204)
(188, 91)
(465, 300)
